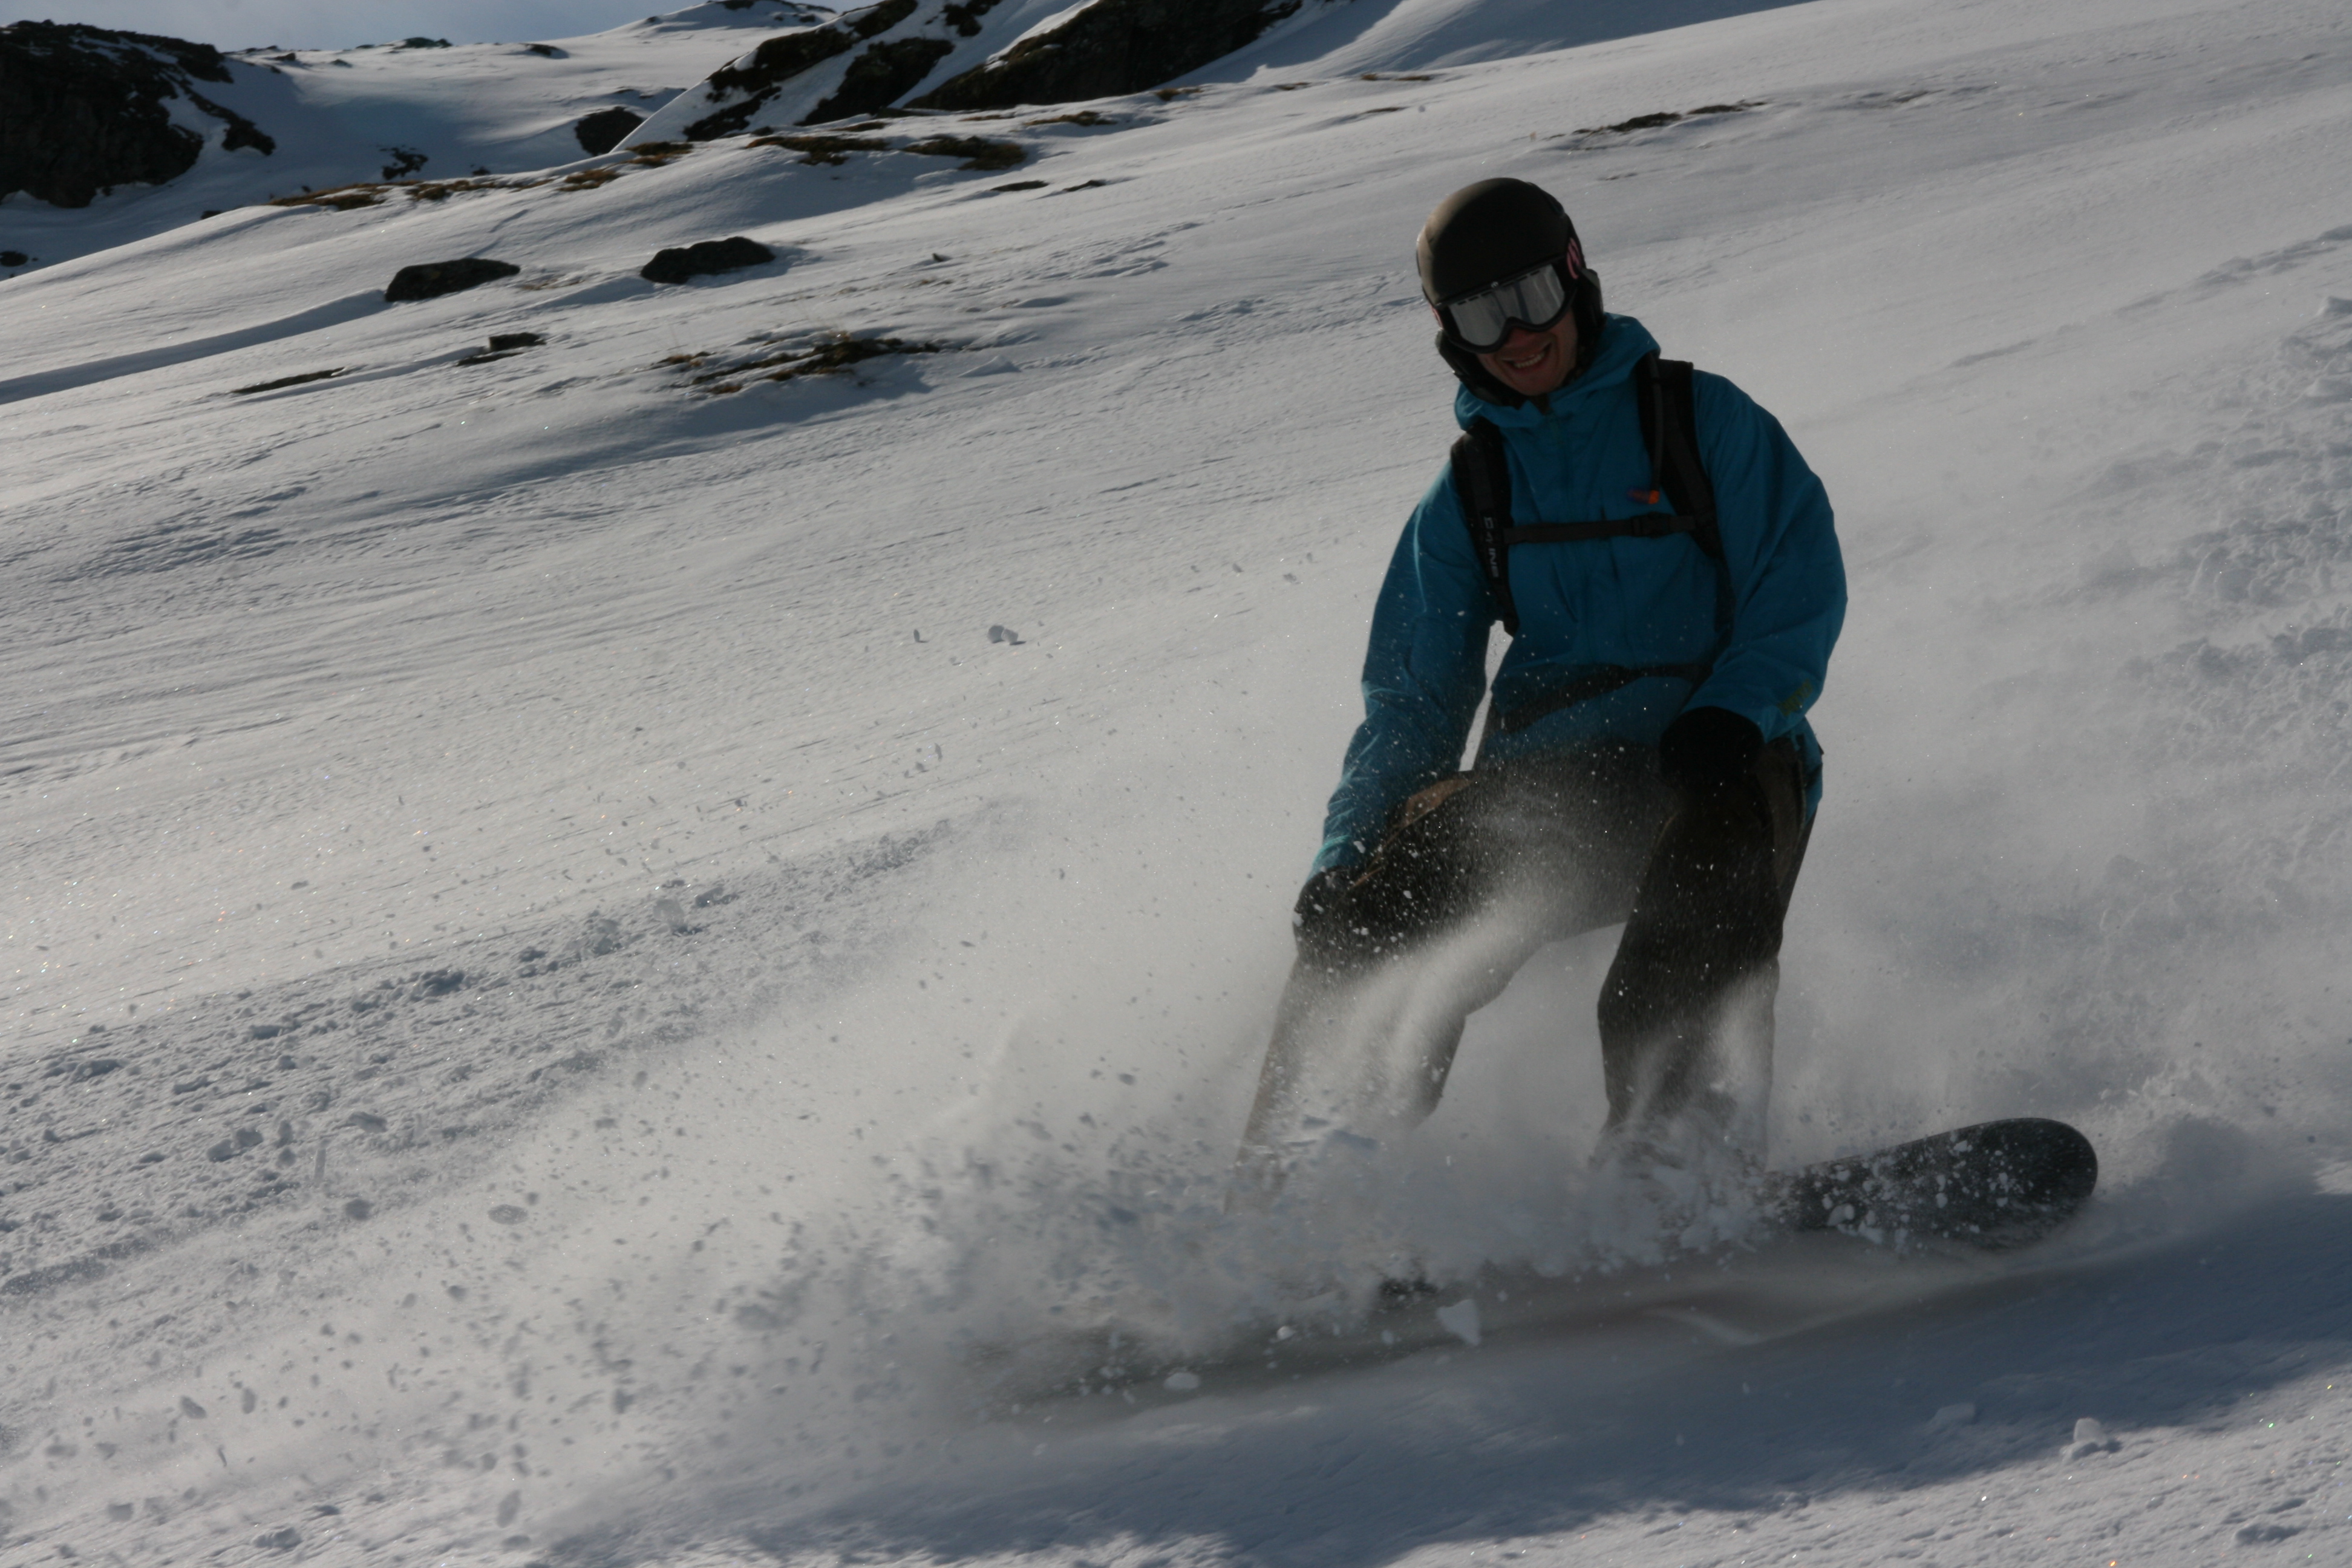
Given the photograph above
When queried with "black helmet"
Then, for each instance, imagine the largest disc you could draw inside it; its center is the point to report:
(1485, 233)
(1491, 231)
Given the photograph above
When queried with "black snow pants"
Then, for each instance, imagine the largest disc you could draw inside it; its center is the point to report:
(1484, 869)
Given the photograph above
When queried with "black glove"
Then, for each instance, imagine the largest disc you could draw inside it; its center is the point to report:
(1708, 749)
(1320, 900)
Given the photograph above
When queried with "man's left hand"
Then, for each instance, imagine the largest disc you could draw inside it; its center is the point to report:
(1709, 749)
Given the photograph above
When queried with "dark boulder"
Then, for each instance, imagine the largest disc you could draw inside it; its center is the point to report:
(680, 262)
(965, 18)
(431, 280)
(602, 132)
(13, 259)
(83, 110)
(504, 345)
(1110, 48)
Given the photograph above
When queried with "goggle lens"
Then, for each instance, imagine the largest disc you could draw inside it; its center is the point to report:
(1482, 323)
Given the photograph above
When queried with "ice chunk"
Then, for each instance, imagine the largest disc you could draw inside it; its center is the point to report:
(1180, 1382)
(1461, 1320)
(1949, 1415)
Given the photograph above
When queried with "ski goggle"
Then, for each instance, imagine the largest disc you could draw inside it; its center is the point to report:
(1482, 322)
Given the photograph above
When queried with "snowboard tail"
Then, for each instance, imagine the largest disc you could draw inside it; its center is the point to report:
(1995, 1184)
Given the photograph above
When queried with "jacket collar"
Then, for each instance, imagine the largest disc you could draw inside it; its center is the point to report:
(1623, 342)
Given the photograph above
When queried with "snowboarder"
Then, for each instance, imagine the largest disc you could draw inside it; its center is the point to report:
(1667, 566)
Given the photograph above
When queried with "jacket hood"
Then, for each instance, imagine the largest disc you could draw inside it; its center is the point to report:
(1623, 342)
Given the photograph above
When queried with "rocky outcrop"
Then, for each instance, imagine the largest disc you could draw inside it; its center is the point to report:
(1110, 48)
(876, 78)
(747, 85)
(964, 55)
(83, 110)
(431, 280)
(705, 258)
(602, 132)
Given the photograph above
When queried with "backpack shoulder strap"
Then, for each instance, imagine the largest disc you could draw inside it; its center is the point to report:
(1669, 404)
(1482, 483)
(1669, 408)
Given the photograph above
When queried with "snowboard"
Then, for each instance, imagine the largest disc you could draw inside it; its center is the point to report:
(1926, 1210)
(1993, 1186)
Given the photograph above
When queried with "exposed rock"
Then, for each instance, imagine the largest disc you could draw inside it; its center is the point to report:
(242, 132)
(965, 18)
(431, 280)
(827, 354)
(503, 345)
(680, 262)
(821, 149)
(877, 76)
(977, 151)
(891, 68)
(1663, 117)
(83, 110)
(767, 70)
(1096, 49)
(1110, 47)
(341, 198)
(405, 161)
(602, 132)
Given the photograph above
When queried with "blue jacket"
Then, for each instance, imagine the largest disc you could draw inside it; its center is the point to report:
(1633, 602)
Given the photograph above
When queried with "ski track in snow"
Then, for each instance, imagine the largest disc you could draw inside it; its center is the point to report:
(587, 953)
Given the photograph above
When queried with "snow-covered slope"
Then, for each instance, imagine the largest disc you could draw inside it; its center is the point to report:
(587, 927)
(420, 109)
(338, 115)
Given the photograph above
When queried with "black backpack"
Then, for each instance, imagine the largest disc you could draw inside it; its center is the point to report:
(1482, 480)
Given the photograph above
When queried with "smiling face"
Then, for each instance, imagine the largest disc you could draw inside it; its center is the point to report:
(1530, 363)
